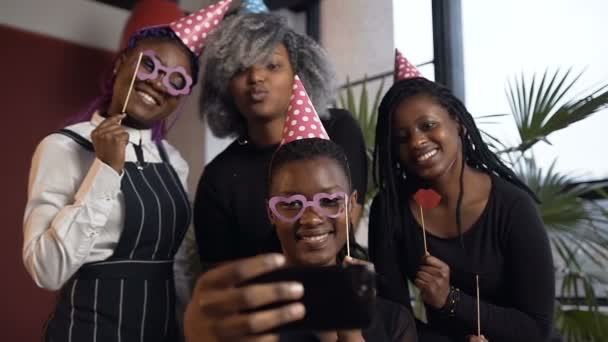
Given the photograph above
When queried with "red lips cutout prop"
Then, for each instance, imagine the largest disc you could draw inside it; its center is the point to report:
(427, 198)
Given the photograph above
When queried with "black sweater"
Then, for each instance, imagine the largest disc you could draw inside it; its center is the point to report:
(230, 216)
(509, 249)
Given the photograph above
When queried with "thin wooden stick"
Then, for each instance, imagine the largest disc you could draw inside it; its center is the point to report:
(124, 107)
(347, 228)
(478, 320)
(426, 251)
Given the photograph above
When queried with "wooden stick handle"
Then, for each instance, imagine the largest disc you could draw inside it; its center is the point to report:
(347, 227)
(478, 314)
(426, 250)
(124, 106)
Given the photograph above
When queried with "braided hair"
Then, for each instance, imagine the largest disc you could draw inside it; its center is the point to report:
(394, 181)
(314, 148)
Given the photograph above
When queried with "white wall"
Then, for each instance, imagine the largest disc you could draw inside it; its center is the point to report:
(504, 38)
(86, 23)
(358, 36)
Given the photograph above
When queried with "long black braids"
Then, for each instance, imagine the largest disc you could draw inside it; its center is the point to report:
(309, 149)
(393, 179)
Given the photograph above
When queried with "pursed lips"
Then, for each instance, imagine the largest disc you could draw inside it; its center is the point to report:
(258, 94)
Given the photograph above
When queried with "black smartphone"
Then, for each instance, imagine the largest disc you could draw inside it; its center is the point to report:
(335, 297)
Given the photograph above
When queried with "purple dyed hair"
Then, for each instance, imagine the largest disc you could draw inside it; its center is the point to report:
(102, 102)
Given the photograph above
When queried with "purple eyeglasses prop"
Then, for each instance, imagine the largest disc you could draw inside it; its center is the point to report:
(176, 80)
(290, 209)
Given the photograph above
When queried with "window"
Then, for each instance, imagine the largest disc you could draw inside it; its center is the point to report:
(413, 23)
(505, 38)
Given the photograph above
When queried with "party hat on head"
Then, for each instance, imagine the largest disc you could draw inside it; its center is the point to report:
(403, 68)
(302, 120)
(253, 6)
(194, 29)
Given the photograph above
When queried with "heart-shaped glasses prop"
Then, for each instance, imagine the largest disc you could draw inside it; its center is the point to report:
(426, 199)
(289, 209)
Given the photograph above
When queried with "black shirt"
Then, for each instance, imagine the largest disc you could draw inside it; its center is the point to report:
(391, 322)
(230, 216)
(509, 249)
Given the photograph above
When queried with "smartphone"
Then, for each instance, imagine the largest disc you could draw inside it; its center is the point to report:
(335, 297)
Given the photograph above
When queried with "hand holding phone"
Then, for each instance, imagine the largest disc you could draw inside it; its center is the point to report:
(215, 312)
(335, 297)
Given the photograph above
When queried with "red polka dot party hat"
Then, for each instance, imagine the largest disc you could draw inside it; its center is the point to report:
(302, 120)
(403, 68)
(194, 29)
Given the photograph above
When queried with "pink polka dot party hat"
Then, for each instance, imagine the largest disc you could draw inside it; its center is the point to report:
(302, 120)
(194, 29)
(403, 68)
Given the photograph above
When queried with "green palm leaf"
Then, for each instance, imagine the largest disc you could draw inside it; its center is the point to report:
(566, 215)
(582, 326)
(540, 107)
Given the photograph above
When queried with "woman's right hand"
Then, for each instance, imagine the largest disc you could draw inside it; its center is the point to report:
(475, 338)
(216, 311)
(110, 140)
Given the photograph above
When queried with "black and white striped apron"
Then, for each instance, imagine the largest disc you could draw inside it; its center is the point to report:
(131, 295)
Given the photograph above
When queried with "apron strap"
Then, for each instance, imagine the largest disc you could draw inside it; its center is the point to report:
(79, 139)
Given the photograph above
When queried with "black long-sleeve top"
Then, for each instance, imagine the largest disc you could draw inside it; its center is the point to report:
(230, 216)
(508, 247)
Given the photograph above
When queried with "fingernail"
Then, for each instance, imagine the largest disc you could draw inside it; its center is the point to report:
(296, 289)
(276, 260)
(297, 310)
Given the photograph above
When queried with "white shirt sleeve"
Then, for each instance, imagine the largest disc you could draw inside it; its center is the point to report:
(70, 196)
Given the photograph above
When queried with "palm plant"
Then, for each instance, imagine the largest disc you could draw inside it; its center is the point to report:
(367, 117)
(577, 228)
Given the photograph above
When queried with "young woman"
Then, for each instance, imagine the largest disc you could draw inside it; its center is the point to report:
(248, 70)
(486, 223)
(310, 197)
(107, 208)
(316, 170)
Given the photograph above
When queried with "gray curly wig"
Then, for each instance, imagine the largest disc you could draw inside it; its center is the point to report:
(248, 39)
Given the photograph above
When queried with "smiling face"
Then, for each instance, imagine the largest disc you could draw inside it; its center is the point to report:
(263, 91)
(150, 100)
(319, 233)
(427, 137)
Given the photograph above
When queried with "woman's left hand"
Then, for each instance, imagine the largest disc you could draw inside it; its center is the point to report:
(433, 280)
(348, 261)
